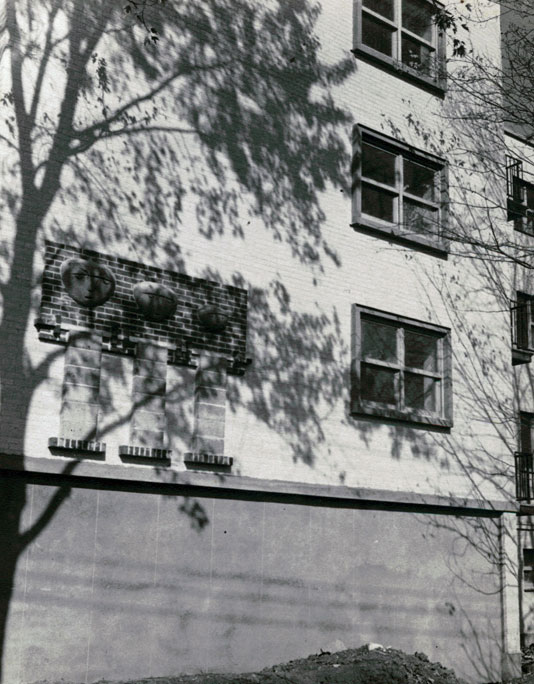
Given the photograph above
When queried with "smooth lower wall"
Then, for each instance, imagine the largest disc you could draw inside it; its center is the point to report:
(127, 582)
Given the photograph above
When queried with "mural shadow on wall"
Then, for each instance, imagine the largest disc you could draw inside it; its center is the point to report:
(118, 158)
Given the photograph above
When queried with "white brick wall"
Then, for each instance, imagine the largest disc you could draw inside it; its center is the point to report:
(288, 418)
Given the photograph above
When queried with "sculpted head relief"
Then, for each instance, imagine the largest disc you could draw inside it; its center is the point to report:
(87, 282)
(155, 301)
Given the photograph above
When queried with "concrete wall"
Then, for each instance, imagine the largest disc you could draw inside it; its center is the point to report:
(126, 583)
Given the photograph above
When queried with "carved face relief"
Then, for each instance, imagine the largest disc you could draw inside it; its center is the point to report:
(211, 318)
(87, 282)
(156, 302)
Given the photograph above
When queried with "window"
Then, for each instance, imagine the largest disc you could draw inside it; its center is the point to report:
(398, 190)
(401, 368)
(528, 569)
(403, 35)
(526, 432)
(522, 311)
(520, 197)
(523, 457)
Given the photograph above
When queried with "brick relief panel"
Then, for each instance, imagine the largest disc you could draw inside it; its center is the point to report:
(120, 319)
(94, 303)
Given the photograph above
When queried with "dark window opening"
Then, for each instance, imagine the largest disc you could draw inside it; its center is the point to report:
(401, 368)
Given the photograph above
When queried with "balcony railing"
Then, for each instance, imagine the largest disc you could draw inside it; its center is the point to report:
(523, 476)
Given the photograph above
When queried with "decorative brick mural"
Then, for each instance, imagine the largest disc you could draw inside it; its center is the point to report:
(124, 318)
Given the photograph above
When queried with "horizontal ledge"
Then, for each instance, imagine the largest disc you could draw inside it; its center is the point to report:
(82, 445)
(437, 86)
(520, 356)
(238, 483)
(153, 453)
(125, 346)
(362, 411)
(211, 459)
(437, 246)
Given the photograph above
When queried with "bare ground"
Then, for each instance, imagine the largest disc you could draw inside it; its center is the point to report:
(366, 665)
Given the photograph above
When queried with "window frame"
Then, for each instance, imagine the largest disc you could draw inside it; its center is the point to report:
(523, 326)
(365, 407)
(394, 63)
(517, 188)
(525, 436)
(394, 230)
(527, 569)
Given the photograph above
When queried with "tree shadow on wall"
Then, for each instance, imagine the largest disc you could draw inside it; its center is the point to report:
(232, 118)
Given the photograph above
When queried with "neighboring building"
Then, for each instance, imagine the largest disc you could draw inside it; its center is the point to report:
(269, 412)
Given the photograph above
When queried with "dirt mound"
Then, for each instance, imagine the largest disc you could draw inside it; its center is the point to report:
(365, 666)
(370, 664)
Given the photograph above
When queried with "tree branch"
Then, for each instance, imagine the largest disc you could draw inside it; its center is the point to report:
(52, 507)
(21, 115)
(42, 65)
(85, 145)
(60, 150)
(105, 123)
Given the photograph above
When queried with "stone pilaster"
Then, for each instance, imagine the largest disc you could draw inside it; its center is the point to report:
(81, 386)
(209, 411)
(148, 424)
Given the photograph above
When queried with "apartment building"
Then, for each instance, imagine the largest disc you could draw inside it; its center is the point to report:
(260, 394)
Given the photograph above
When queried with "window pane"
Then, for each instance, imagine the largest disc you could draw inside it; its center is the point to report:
(378, 164)
(417, 56)
(517, 189)
(378, 384)
(383, 7)
(420, 351)
(525, 432)
(379, 341)
(417, 17)
(377, 203)
(377, 35)
(421, 393)
(523, 318)
(419, 180)
(419, 219)
(529, 197)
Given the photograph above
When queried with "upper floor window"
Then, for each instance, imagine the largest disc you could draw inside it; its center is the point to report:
(402, 34)
(398, 190)
(520, 197)
(523, 461)
(522, 312)
(526, 432)
(401, 368)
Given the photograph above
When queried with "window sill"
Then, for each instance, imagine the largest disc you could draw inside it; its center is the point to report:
(436, 86)
(208, 459)
(63, 445)
(438, 246)
(520, 355)
(144, 454)
(407, 416)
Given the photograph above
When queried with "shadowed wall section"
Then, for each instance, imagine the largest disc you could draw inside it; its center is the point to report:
(121, 584)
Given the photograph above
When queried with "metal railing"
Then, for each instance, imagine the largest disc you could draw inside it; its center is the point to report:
(514, 173)
(523, 475)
